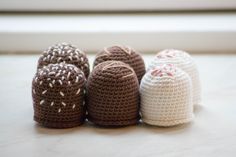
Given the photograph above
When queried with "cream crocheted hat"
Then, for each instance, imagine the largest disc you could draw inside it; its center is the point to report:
(183, 61)
(166, 97)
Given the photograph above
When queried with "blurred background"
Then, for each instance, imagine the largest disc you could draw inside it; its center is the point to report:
(204, 28)
(197, 26)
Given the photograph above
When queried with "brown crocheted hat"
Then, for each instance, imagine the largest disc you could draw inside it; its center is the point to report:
(58, 96)
(65, 53)
(124, 54)
(113, 95)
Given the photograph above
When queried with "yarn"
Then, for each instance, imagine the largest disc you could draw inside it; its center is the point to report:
(113, 95)
(124, 54)
(166, 96)
(58, 96)
(183, 61)
(66, 53)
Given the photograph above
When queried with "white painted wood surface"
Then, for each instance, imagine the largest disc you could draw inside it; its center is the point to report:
(211, 134)
(201, 33)
(114, 5)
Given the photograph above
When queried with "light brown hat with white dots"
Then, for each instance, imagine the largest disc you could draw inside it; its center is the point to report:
(58, 96)
(66, 53)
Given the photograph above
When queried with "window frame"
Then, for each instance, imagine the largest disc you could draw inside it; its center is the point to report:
(114, 5)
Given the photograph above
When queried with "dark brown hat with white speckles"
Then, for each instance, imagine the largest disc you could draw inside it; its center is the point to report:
(58, 96)
(124, 54)
(113, 95)
(66, 53)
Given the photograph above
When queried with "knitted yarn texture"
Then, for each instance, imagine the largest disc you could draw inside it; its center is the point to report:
(183, 61)
(124, 54)
(166, 96)
(66, 53)
(113, 95)
(58, 96)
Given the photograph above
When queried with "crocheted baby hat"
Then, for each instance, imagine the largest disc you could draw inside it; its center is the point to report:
(113, 95)
(166, 96)
(65, 53)
(184, 61)
(58, 96)
(124, 54)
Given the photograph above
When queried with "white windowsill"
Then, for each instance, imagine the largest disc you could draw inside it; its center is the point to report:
(147, 33)
(114, 5)
(211, 134)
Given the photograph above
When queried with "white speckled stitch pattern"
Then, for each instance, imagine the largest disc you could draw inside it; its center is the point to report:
(183, 61)
(166, 96)
(65, 53)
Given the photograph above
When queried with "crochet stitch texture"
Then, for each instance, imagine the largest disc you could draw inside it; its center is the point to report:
(58, 96)
(124, 54)
(66, 53)
(166, 97)
(183, 61)
(113, 95)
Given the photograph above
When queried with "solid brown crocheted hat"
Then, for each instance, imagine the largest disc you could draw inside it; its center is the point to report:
(66, 53)
(113, 95)
(58, 96)
(124, 54)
